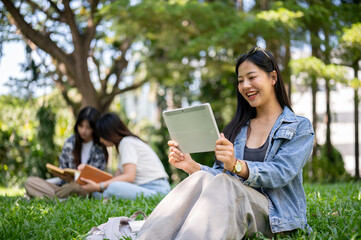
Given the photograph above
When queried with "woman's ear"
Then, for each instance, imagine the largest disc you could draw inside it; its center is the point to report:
(274, 77)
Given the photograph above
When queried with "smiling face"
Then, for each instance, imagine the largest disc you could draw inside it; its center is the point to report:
(256, 85)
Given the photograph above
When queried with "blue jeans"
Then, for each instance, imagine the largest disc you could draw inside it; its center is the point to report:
(128, 190)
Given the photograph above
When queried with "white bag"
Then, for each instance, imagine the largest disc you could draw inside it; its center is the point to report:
(118, 228)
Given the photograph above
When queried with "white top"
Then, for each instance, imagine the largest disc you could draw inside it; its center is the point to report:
(85, 151)
(148, 166)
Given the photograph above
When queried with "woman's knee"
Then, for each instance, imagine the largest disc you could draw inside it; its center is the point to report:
(115, 187)
(31, 181)
(119, 189)
(230, 182)
(201, 175)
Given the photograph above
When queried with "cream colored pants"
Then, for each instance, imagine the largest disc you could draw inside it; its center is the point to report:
(38, 187)
(204, 206)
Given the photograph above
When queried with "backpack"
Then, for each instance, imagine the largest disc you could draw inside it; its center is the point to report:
(117, 228)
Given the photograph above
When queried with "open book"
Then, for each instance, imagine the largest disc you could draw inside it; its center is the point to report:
(66, 174)
(94, 174)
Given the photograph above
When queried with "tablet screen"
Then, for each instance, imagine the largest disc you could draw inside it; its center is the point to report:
(194, 128)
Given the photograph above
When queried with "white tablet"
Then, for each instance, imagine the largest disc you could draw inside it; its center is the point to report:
(194, 128)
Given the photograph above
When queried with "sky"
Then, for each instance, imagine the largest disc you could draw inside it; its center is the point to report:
(13, 56)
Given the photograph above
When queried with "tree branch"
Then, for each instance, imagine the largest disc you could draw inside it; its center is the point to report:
(97, 65)
(121, 63)
(36, 6)
(132, 87)
(92, 24)
(106, 100)
(42, 41)
(70, 19)
(61, 85)
(56, 8)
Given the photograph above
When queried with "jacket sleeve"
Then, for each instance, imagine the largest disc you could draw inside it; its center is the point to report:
(97, 158)
(287, 162)
(66, 154)
(216, 169)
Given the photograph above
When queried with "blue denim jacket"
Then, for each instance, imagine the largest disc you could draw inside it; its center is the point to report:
(280, 175)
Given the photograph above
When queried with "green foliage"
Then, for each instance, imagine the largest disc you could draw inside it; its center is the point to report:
(352, 35)
(333, 211)
(355, 83)
(307, 68)
(281, 16)
(350, 45)
(311, 66)
(323, 169)
(27, 139)
(45, 137)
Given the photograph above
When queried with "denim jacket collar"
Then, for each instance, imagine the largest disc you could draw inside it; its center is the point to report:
(286, 116)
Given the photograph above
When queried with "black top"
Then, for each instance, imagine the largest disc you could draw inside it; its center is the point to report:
(256, 154)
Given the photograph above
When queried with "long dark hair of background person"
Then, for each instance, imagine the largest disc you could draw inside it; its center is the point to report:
(112, 129)
(91, 115)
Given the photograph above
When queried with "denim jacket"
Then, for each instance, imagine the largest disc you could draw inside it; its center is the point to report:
(280, 175)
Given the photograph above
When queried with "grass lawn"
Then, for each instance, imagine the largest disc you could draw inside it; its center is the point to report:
(334, 212)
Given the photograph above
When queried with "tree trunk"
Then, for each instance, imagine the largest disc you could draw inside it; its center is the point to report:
(328, 123)
(328, 119)
(356, 122)
(286, 71)
(314, 88)
(314, 123)
(82, 79)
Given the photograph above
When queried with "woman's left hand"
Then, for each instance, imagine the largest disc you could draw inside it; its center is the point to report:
(225, 152)
(90, 185)
(81, 167)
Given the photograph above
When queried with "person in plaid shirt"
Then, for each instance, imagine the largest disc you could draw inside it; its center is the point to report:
(79, 149)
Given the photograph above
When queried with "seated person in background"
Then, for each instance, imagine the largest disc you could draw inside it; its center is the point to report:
(139, 171)
(79, 149)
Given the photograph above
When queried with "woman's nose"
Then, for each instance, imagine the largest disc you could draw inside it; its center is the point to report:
(246, 84)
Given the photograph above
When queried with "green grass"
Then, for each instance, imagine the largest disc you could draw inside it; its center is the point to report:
(334, 212)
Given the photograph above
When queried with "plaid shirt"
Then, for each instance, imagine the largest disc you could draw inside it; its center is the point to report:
(96, 158)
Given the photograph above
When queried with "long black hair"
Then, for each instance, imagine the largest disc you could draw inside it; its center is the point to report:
(264, 60)
(112, 129)
(91, 115)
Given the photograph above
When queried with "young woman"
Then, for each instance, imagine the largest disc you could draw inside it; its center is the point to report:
(255, 184)
(139, 172)
(79, 149)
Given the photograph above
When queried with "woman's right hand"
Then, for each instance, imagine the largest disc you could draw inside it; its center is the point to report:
(180, 160)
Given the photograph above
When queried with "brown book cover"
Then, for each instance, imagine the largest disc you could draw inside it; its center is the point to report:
(66, 174)
(94, 174)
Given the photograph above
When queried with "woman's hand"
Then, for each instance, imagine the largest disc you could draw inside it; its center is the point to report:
(180, 160)
(81, 167)
(225, 152)
(90, 185)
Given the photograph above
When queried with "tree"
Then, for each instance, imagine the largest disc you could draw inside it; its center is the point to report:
(350, 52)
(309, 69)
(313, 68)
(280, 22)
(189, 50)
(73, 34)
(332, 74)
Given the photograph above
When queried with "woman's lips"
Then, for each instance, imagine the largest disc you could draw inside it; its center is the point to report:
(251, 95)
